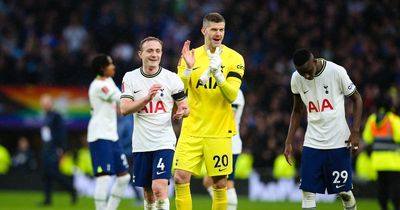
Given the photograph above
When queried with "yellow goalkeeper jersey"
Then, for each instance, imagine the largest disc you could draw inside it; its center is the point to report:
(210, 104)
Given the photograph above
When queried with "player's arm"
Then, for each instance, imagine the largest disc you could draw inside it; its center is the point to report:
(129, 106)
(357, 112)
(295, 118)
(230, 85)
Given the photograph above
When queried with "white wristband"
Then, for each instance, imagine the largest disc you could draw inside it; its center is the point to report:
(187, 72)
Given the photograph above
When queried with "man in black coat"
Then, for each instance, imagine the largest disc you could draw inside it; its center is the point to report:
(54, 137)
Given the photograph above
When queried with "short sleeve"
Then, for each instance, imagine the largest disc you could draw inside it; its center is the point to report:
(293, 84)
(127, 87)
(346, 85)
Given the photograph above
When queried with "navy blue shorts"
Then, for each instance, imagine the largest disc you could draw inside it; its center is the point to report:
(107, 157)
(232, 175)
(148, 166)
(328, 169)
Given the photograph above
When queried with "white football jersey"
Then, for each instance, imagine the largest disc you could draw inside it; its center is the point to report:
(152, 125)
(324, 99)
(237, 107)
(103, 97)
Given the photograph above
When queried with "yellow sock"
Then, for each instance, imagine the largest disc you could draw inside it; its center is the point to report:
(183, 198)
(220, 199)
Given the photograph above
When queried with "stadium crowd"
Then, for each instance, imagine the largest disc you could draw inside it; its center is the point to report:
(47, 43)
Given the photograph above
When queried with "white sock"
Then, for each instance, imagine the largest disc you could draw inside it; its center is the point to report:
(117, 191)
(210, 191)
(149, 206)
(100, 192)
(162, 204)
(348, 200)
(232, 199)
(308, 201)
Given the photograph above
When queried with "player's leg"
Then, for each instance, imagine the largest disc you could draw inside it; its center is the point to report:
(101, 156)
(162, 165)
(312, 177)
(142, 177)
(207, 183)
(339, 175)
(308, 201)
(187, 160)
(100, 191)
(149, 201)
(121, 166)
(231, 192)
(218, 161)
(348, 200)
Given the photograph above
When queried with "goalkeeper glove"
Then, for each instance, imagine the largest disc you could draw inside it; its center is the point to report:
(214, 68)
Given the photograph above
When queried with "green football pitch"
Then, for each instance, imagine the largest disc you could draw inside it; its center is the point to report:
(25, 200)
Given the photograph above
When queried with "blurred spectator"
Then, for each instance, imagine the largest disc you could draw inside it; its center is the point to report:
(5, 160)
(23, 160)
(382, 134)
(54, 139)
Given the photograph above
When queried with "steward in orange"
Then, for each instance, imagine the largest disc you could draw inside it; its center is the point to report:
(382, 135)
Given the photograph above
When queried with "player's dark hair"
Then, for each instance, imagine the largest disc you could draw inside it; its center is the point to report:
(301, 56)
(99, 63)
(213, 17)
(147, 39)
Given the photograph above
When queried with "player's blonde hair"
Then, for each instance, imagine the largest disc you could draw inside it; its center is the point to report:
(213, 17)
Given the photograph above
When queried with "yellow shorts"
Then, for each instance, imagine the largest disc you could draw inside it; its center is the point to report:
(215, 152)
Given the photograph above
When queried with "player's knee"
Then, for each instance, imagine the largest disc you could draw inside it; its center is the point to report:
(124, 180)
(182, 177)
(160, 188)
(219, 182)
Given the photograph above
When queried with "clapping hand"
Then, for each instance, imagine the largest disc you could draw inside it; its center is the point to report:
(215, 65)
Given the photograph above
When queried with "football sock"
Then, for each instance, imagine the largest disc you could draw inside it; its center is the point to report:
(210, 191)
(149, 206)
(348, 200)
(220, 201)
(117, 191)
(183, 197)
(308, 201)
(100, 192)
(162, 204)
(232, 199)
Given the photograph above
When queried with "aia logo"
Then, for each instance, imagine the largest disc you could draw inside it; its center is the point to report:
(315, 107)
(154, 107)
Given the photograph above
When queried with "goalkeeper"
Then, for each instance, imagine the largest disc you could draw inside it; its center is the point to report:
(212, 75)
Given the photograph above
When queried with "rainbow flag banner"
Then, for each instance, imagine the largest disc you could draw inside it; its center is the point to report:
(20, 106)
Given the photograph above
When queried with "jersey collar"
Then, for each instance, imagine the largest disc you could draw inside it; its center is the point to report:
(152, 75)
(323, 61)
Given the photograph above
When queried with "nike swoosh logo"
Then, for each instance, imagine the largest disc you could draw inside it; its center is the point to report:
(195, 68)
(306, 91)
(136, 91)
(160, 172)
(339, 186)
(223, 169)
